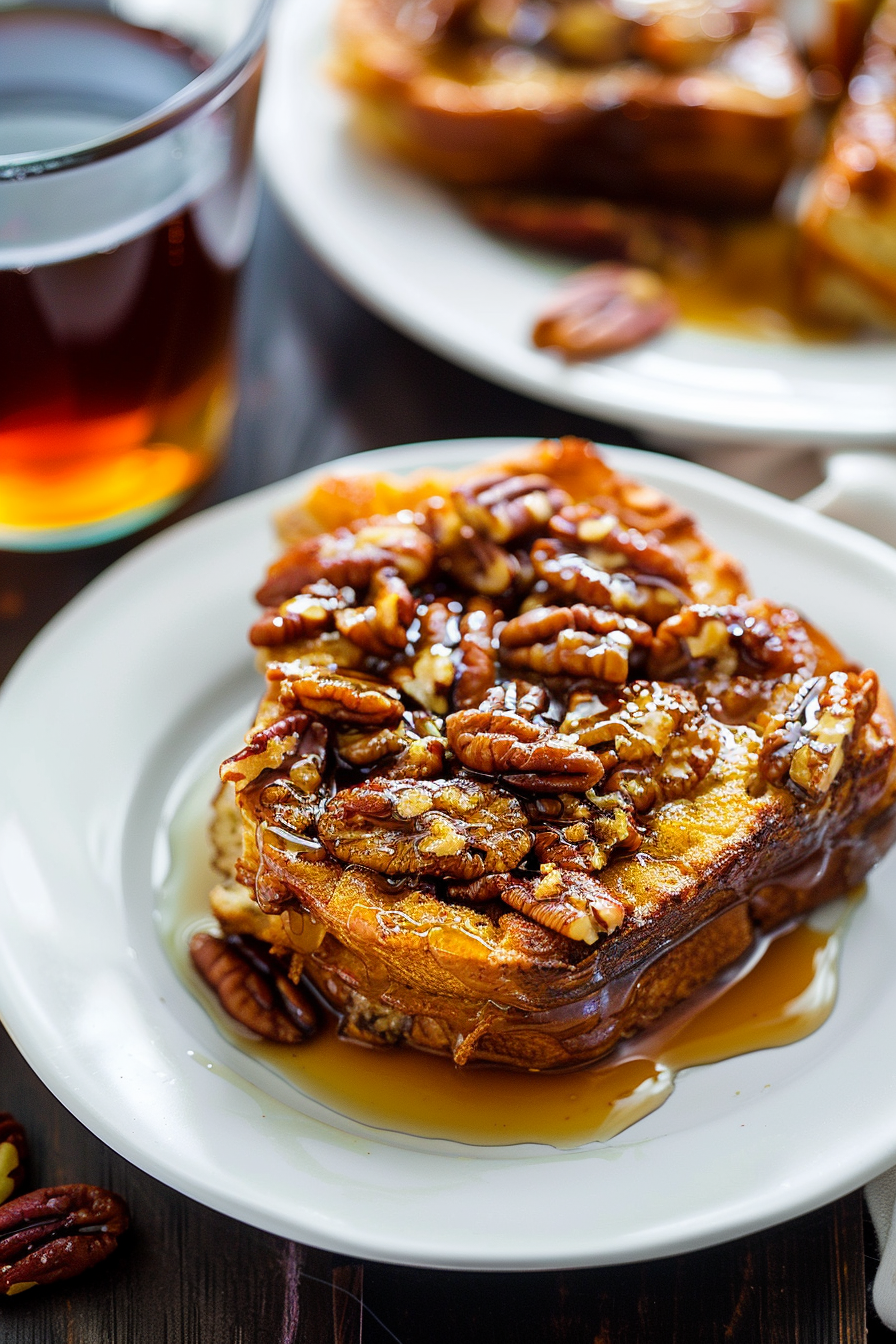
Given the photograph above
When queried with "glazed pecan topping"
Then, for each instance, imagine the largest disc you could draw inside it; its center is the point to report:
(504, 507)
(253, 987)
(413, 749)
(448, 828)
(570, 903)
(583, 833)
(610, 546)
(297, 737)
(477, 656)
(350, 557)
(427, 677)
(573, 576)
(495, 740)
(764, 638)
(382, 627)
(481, 566)
(13, 1156)
(340, 696)
(807, 746)
(303, 617)
(655, 740)
(56, 1233)
(577, 641)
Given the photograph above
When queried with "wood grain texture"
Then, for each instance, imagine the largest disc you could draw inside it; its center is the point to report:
(321, 377)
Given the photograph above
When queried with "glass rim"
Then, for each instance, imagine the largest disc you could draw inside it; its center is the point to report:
(179, 107)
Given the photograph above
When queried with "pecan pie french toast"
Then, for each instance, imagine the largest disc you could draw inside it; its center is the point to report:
(532, 765)
(695, 103)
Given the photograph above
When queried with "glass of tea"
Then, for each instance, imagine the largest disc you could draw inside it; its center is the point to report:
(127, 204)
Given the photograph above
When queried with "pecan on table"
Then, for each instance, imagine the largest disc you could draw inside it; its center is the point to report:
(577, 641)
(253, 987)
(602, 309)
(349, 557)
(297, 737)
(496, 740)
(611, 546)
(56, 1233)
(13, 1156)
(504, 507)
(570, 903)
(573, 575)
(655, 740)
(457, 828)
(807, 746)
(344, 697)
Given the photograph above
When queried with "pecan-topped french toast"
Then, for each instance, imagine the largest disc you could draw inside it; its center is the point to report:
(531, 766)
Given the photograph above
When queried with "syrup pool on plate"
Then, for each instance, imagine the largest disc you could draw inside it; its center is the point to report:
(783, 991)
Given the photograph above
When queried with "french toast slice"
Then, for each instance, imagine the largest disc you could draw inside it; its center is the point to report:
(689, 103)
(532, 766)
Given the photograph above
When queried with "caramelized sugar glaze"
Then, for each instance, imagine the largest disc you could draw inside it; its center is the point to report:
(521, 835)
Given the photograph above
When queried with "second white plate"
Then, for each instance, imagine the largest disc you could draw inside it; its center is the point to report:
(406, 250)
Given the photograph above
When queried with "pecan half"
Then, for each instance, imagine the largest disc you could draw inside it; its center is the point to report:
(350, 557)
(614, 547)
(576, 641)
(602, 309)
(427, 677)
(13, 1156)
(341, 696)
(478, 656)
(297, 737)
(504, 507)
(494, 740)
(381, 628)
(570, 903)
(452, 828)
(253, 987)
(759, 637)
(574, 576)
(480, 565)
(56, 1233)
(807, 746)
(303, 617)
(414, 749)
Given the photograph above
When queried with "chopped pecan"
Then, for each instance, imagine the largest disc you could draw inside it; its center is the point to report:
(480, 565)
(477, 656)
(655, 740)
(414, 749)
(13, 1156)
(253, 987)
(503, 507)
(341, 696)
(303, 617)
(297, 737)
(56, 1233)
(452, 828)
(807, 746)
(602, 309)
(381, 628)
(574, 576)
(350, 556)
(494, 740)
(427, 678)
(611, 546)
(575, 832)
(759, 637)
(570, 903)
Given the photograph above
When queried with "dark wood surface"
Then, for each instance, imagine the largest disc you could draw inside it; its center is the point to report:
(321, 377)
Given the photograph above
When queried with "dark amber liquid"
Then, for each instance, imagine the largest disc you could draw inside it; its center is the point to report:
(115, 368)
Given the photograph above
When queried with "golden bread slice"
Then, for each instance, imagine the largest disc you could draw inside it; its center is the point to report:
(532, 765)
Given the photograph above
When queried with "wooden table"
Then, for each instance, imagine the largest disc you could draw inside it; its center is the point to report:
(322, 378)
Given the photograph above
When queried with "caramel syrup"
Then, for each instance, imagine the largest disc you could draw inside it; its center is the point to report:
(782, 992)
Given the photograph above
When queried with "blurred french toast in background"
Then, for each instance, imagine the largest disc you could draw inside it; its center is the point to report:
(672, 134)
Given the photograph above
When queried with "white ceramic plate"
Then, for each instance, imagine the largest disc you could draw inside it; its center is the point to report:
(405, 249)
(121, 704)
